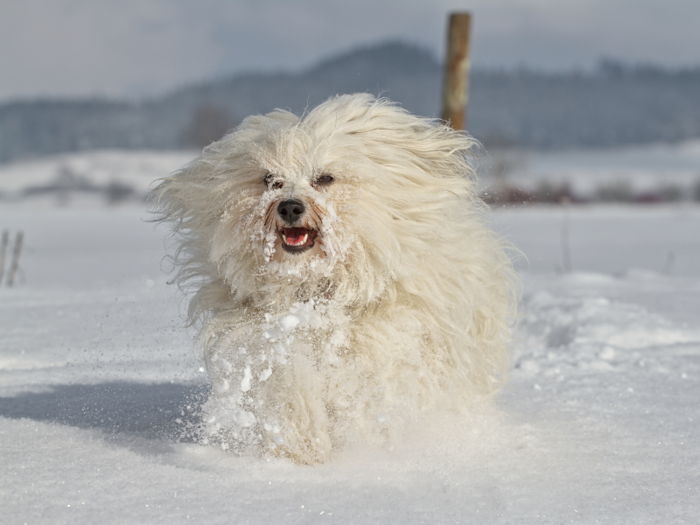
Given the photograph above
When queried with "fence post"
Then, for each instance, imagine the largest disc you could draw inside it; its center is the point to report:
(17, 250)
(456, 84)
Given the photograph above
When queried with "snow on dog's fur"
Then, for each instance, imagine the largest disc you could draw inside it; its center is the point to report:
(343, 277)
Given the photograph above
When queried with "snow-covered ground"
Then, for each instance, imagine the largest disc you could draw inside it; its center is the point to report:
(600, 423)
(90, 173)
(668, 170)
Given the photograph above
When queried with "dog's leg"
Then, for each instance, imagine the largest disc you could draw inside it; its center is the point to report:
(299, 400)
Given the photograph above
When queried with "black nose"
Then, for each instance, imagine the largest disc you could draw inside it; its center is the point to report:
(290, 210)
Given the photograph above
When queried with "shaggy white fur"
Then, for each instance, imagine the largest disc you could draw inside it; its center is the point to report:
(342, 274)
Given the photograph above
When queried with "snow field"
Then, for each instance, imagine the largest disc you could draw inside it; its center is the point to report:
(648, 168)
(99, 168)
(100, 384)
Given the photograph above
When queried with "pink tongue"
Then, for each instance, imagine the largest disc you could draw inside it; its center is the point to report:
(295, 235)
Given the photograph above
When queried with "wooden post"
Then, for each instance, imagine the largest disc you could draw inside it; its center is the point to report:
(455, 89)
(16, 252)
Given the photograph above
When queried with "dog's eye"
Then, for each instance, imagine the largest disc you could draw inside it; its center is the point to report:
(270, 182)
(324, 180)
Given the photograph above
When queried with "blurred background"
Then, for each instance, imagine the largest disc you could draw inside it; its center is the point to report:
(577, 101)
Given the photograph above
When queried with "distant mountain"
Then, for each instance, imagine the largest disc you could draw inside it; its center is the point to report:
(616, 105)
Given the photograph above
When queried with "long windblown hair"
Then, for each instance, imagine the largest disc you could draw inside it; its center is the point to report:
(342, 276)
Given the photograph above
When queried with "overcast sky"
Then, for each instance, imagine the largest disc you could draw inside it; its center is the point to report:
(141, 47)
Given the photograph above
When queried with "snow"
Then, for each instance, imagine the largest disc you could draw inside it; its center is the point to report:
(136, 170)
(101, 386)
(641, 168)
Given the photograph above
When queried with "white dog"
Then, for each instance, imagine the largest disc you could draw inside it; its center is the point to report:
(344, 279)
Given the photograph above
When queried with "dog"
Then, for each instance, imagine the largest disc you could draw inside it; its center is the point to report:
(344, 280)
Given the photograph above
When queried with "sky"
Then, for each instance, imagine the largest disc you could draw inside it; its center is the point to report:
(137, 48)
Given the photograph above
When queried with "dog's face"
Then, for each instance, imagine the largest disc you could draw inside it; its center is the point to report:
(344, 201)
(297, 218)
(291, 216)
(288, 217)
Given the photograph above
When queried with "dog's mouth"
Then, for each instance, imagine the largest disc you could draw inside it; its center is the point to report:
(297, 240)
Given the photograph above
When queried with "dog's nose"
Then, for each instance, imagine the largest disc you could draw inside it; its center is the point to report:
(291, 210)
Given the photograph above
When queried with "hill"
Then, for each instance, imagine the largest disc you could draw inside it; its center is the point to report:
(615, 105)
